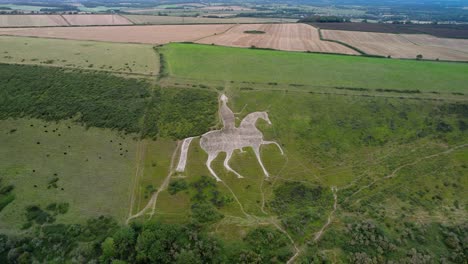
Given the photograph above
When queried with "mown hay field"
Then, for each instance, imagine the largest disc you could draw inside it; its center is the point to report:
(225, 64)
(115, 57)
(402, 46)
(291, 37)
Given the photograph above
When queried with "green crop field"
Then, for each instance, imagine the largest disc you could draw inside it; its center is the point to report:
(115, 57)
(374, 166)
(204, 62)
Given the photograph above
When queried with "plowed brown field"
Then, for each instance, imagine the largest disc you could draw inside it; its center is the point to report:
(402, 46)
(31, 20)
(87, 20)
(128, 34)
(292, 37)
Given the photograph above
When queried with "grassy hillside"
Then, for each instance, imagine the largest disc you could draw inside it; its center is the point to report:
(374, 166)
(92, 169)
(393, 162)
(210, 63)
(125, 58)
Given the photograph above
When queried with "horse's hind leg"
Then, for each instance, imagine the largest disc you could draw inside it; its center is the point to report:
(211, 157)
(226, 164)
(257, 154)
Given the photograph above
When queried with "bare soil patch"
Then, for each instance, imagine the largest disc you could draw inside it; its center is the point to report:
(127, 34)
(402, 46)
(292, 37)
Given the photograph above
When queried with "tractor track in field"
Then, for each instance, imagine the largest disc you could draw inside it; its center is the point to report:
(152, 202)
(140, 153)
(395, 171)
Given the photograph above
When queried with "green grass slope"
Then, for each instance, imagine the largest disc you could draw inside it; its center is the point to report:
(212, 63)
(94, 168)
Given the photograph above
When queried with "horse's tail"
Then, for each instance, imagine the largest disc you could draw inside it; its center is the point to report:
(183, 154)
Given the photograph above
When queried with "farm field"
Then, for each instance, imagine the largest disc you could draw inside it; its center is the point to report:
(441, 30)
(127, 34)
(148, 19)
(61, 20)
(428, 40)
(87, 20)
(251, 66)
(32, 20)
(401, 46)
(291, 37)
(115, 57)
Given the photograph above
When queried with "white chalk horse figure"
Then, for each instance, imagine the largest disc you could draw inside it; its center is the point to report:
(231, 138)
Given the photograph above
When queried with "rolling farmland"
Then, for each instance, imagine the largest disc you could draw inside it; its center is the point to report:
(428, 40)
(127, 34)
(440, 30)
(372, 161)
(291, 37)
(62, 20)
(212, 63)
(165, 20)
(113, 57)
(402, 46)
(89, 20)
(31, 20)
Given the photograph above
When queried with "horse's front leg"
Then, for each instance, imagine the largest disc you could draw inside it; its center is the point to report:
(257, 154)
(211, 157)
(273, 142)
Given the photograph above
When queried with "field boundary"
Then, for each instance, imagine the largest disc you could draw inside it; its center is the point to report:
(363, 53)
(143, 25)
(225, 31)
(66, 21)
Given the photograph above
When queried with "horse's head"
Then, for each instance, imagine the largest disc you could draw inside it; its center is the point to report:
(252, 118)
(223, 98)
(264, 116)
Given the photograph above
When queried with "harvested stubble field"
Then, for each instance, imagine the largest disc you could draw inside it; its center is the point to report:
(148, 19)
(86, 20)
(428, 40)
(31, 20)
(402, 46)
(126, 34)
(291, 37)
